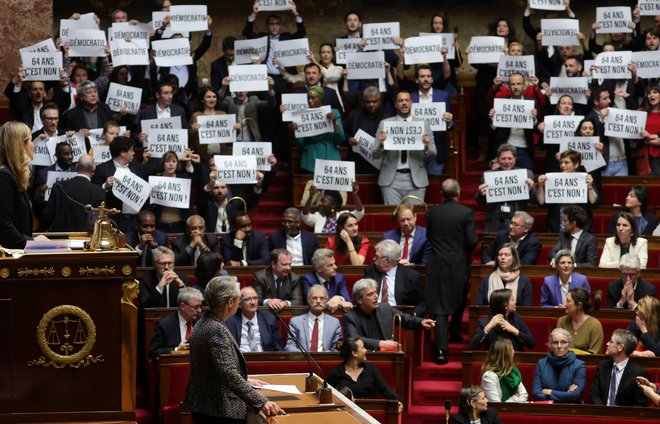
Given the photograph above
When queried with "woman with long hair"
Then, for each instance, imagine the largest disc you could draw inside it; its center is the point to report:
(500, 378)
(349, 247)
(331, 72)
(586, 331)
(626, 240)
(506, 276)
(208, 106)
(646, 327)
(647, 150)
(170, 219)
(637, 203)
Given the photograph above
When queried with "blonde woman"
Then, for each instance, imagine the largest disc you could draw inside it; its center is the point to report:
(645, 327)
(500, 378)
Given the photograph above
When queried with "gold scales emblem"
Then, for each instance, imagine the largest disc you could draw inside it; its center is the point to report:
(66, 335)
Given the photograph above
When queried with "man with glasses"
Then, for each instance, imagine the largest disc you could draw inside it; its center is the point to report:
(626, 292)
(300, 243)
(172, 331)
(189, 246)
(519, 233)
(255, 330)
(159, 288)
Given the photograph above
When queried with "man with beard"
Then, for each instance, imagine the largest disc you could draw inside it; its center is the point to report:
(301, 243)
(244, 246)
(366, 118)
(146, 238)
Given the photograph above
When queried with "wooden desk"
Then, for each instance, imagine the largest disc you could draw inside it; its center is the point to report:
(330, 417)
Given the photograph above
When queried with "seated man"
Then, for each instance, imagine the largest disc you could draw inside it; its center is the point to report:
(244, 246)
(316, 331)
(583, 245)
(172, 331)
(146, 238)
(254, 330)
(399, 285)
(626, 292)
(301, 243)
(520, 233)
(411, 237)
(159, 287)
(371, 321)
(194, 242)
(276, 286)
(624, 391)
(325, 274)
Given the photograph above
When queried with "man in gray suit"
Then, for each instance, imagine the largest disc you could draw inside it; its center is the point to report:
(276, 286)
(403, 172)
(316, 331)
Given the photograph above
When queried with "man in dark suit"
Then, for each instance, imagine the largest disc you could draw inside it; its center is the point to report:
(397, 284)
(254, 330)
(301, 243)
(159, 288)
(220, 66)
(325, 274)
(172, 331)
(244, 246)
(410, 236)
(452, 235)
(162, 109)
(90, 112)
(313, 78)
(146, 238)
(64, 211)
(63, 163)
(623, 391)
(276, 286)
(191, 244)
(520, 233)
(359, 322)
(582, 244)
(626, 292)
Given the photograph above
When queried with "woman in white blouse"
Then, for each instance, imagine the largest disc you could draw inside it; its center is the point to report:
(500, 378)
(626, 240)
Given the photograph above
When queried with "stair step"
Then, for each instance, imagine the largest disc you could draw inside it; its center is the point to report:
(434, 372)
(435, 392)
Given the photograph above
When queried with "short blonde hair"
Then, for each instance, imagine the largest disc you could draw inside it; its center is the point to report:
(13, 137)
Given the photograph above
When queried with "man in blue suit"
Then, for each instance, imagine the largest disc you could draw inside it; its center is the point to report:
(316, 331)
(325, 274)
(254, 330)
(301, 243)
(172, 332)
(411, 237)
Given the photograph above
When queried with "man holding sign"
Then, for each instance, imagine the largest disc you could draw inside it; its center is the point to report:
(403, 172)
(162, 109)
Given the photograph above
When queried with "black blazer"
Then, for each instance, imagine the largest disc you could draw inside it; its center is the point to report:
(107, 169)
(257, 249)
(524, 293)
(644, 288)
(149, 296)
(191, 86)
(309, 241)
(269, 330)
(407, 286)
(62, 214)
(74, 119)
(529, 248)
(166, 336)
(488, 417)
(628, 392)
(15, 213)
(586, 251)
(356, 324)
(21, 107)
(149, 112)
(219, 70)
(159, 237)
(182, 254)
(525, 339)
(248, 32)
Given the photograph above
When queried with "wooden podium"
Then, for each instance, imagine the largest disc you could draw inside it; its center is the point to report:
(68, 331)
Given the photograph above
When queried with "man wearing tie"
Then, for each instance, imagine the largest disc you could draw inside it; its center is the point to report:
(301, 243)
(172, 332)
(583, 245)
(410, 236)
(316, 331)
(194, 242)
(146, 238)
(254, 330)
(159, 288)
(325, 274)
(276, 286)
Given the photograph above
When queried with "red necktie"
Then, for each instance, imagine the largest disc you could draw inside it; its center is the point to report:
(384, 293)
(570, 243)
(188, 329)
(315, 337)
(405, 247)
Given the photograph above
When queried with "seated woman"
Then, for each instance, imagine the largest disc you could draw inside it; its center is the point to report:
(646, 327)
(651, 391)
(560, 376)
(349, 248)
(473, 408)
(586, 330)
(637, 202)
(357, 374)
(209, 265)
(503, 322)
(170, 219)
(506, 276)
(500, 378)
(324, 220)
(626, 240)
(556, 287)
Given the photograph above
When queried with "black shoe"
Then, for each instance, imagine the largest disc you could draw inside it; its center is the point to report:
(442, 358)
(456, 339)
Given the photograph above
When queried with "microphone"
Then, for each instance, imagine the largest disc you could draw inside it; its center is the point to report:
(325, 394)
(447, 409)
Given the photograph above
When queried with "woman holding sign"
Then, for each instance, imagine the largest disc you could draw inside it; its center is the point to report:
(208, 104)
(626, 240)
(332, 73)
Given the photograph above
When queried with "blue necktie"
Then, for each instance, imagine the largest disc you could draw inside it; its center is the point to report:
(612, 397)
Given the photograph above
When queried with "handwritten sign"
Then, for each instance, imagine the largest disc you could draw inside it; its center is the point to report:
(42, 66)
(506, 186)
(293, 102)
(291, 52)
(513, 113)
(334, 175)
(560, 32)
(130, 189)
(236, 169)
(446, 43)
(613, 65)
(261, 149)
(189, 18)
(625, 123)
(42, 46)
(44, 151)
(363, 148)
(613, 19)
(649, 7)
(557, 128)
(245, 51)
(124, 96)
(423, 50)
(248, 78)
(647, 63)
(273, 5)
(174, 52)
(101, 154)
(592, 158)
(122, 30)
(134, 52)
(381, 36)
(404, 135)
(572, 86)
(157, 22)
(216, 129)
(161, 141)
(345, 45)
(485, 49)
(168, 191)
(547, 4)
(87, 43)
(510, 65)
(432, 113)
(566, 187)
(313, 122)
(54, 176)
(365, 65)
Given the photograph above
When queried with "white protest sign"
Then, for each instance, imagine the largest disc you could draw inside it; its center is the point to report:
(446, 43)
(560, 32)
(96, 135)
(566, 187)
(573, 86)
(130, 189)
(625, 123)
(363, 148)
(161, 141)
(173, 52)
(189, 18)
(293, 102)
(248, 78)
(432, 113)
(42, 66)
(77, 143)
(89, 17)
(273, 5)
(592, 158)
(171, 123)
(157, 22)
(101, 154)
(313, 122)
(247, 50)
(42, 46)
(44, 151)
(87, 43)
(381, 36)
(134, 52)
(67, 26)
(557, 128)
(516, 64)
(365, 65)
(506, 186)
(613, 65)
(547, 4)
(649, 7)
(404, 135)
(485, 49)
(124, 96)
(647, 64)
(613, 19)
(344, 46)
(236, 169)
(122, 30)
(513, 113)
(54, 176)
(334, 175)
(171, 192)
(216, 129)
(291, 52)
(261, 149)
(423, 50)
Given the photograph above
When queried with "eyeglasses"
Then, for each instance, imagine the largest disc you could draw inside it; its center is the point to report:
(195, 307)
(626, 275)
(559, 342)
